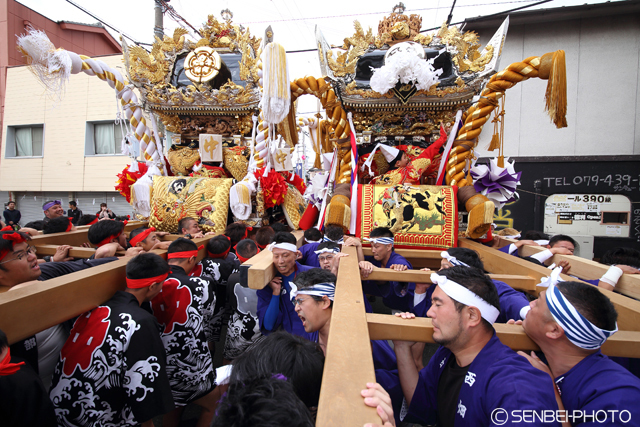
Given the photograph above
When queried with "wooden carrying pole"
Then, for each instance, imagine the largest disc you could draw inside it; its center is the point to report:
(349, 363)
(36, 307)
(498, 262)
(77, 237)
(348, 366)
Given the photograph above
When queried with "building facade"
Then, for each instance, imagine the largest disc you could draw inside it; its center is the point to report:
(597, 156)
(67, 150)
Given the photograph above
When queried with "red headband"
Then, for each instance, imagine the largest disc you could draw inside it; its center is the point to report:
(113, 236)
(185, 254)
(16, 238)
(243, 259)
(143, 283)
(8, 368)
(246, 232)
(140, 237)
(70, 225)
(222, 255)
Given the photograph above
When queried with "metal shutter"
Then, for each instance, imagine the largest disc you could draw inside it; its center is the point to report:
(89, 202)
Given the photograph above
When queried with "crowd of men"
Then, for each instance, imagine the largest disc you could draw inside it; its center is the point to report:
(147, 352)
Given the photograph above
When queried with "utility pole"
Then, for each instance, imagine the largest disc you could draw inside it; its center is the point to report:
(158, 29)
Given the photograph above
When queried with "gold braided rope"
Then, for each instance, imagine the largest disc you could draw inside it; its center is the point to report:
(478, 114)
(109, 76)
(337, 123)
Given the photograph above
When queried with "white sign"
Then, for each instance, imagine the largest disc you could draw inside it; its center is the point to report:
(614, 230)
(282, 159)
(210, 147)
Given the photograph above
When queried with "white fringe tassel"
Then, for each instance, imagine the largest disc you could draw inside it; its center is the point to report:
(276, 98)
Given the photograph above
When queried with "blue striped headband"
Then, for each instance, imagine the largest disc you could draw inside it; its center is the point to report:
(580, 331)
(339, 242)
(381, 240)
(453, 260)
(319, 290)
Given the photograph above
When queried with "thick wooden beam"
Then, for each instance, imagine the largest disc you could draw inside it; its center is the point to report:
(171, 237)
(36, 307)
(76, 251)
(501, 263)
(386, 327)
(40, 305)
(417, 257)
(299, 235)
(523, 283)
(629, 284)
(134, 224)
(411, 253)
(262, 270)
(75, 238)
(349, 364)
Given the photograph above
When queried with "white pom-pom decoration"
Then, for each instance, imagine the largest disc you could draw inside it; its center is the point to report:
(407, 68)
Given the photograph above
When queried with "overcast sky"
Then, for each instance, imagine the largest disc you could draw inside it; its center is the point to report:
(293, 21)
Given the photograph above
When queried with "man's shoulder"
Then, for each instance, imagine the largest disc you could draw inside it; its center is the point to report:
(309, 247)
(396, 258)
(502, 362)
(302, 268)
(597, 370)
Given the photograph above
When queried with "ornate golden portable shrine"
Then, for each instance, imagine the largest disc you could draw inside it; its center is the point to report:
(398, 88)
(210, 85)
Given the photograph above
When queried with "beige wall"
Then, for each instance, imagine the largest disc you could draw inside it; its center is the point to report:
(64, 166)
(603, 89)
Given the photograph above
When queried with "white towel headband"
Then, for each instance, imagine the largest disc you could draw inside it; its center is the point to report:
(286, 246)
(453, 260)
(464, 296)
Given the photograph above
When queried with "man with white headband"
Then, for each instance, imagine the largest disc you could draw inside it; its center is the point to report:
(559, 244)
(325, 253)
(513, 304)
(332, 234)
(570, 321)
(472, 374)
(275, 309)
(531, 237)
(395, 295)
(313, 294)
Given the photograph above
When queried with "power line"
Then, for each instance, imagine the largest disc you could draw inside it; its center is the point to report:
(384, 13)
(496, 14)
(451, 13)
(107, 24)
(176, 16)
(460, 22)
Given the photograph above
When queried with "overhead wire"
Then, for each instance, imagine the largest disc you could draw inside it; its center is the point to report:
(105, 23)
(460, 22)
(173, 14)
(386, 12)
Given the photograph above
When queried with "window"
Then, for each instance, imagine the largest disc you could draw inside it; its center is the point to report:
(103, 138)
(615, 218)
(25, 141)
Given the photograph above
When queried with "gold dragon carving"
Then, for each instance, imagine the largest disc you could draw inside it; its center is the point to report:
(398, 28)
(467, 57)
